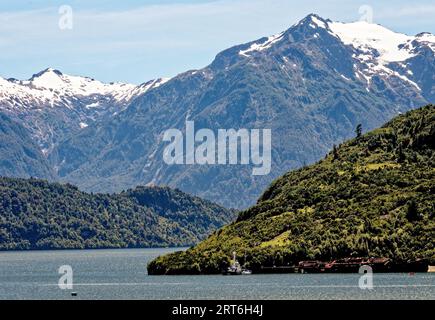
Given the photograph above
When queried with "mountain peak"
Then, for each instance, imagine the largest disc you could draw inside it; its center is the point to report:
(49, 78)
(426, 38)
(314, 21)
(370, 39)
(424, 34)
(52, 87)
(45, 72)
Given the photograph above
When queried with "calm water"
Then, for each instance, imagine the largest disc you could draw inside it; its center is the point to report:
(121, 274)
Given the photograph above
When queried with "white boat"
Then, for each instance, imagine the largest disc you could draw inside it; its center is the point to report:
(236, 269)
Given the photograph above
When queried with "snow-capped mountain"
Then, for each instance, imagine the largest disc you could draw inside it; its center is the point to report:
(53, 105)
(376, 50)
(380, 51)
(311, 85)
(52, 87)
(373, 41)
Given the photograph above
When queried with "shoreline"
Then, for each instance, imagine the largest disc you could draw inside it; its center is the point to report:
(181, 248)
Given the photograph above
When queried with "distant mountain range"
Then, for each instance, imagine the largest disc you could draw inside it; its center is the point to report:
(54, 106)
(311, 84)
(373, 196)
(35, 214)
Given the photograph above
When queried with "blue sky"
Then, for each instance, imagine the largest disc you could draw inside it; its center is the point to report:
(134, 41)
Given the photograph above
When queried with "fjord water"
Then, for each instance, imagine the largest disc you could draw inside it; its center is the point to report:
(121, 274)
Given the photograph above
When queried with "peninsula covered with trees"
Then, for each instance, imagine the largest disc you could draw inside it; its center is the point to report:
(372, 196)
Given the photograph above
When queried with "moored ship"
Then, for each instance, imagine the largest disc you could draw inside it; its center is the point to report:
(235, 268)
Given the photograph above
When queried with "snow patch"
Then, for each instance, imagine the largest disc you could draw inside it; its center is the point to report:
(318, 22)
(262, 46)
(93, 105)
(53, 88)
(366, 37)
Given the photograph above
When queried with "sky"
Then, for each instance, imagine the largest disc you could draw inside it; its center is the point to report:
(135, 41)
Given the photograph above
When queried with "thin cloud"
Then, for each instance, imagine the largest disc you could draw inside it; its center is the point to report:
(414, 11)
(164, 39)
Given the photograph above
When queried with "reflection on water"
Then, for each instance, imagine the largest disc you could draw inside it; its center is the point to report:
(121, 274)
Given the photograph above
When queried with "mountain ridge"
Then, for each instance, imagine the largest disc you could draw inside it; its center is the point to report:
(53, 105)
(309, 84)
(310, 90)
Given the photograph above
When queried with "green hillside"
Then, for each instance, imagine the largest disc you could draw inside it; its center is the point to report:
(371, 196)
(35, 214)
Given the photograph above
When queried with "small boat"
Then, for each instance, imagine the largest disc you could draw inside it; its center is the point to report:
(233, 271)
(236, 269)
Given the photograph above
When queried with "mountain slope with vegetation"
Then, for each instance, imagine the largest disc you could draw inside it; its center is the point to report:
(306, 84)
(35, 214)
(19, 154)
(371, 196)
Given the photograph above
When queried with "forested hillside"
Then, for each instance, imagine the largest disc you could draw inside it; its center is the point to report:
(35, 214)
(371, 196)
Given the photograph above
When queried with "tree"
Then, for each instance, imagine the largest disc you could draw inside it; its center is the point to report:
(400, 155)
(412, 211)
(335, 152)
(358, 130)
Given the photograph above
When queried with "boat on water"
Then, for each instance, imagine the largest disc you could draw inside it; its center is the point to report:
(233, 270)
(236, 269)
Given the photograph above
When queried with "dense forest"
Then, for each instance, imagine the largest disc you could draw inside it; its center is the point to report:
(372, 196)
(36, 214)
